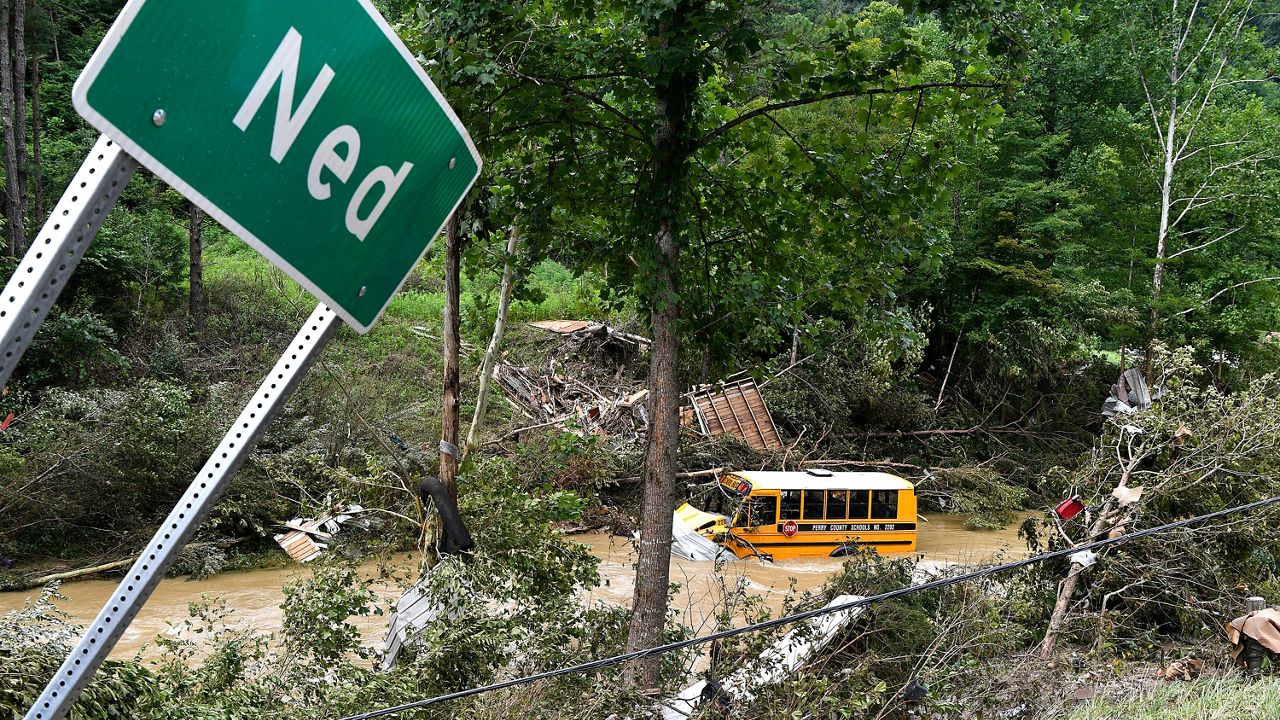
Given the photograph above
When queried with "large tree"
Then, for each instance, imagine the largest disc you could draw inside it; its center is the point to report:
(655, 123)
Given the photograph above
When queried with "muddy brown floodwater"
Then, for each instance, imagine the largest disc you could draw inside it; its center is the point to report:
(254, 597)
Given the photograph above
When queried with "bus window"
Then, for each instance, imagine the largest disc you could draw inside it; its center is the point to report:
(790, 505)
(761, 510)
(813, 509)
(837, 501)
(858, 504)
(884, 504)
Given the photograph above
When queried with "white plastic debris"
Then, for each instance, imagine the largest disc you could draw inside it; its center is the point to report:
(1084, 558)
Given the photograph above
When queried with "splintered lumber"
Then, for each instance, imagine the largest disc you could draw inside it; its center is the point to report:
(737, 408)
(300, 542)
(300, 546)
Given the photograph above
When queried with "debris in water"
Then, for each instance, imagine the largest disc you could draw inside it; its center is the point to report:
(301, 540)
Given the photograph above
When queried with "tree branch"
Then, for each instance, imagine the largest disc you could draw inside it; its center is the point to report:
(811, 99)
(1226, 290)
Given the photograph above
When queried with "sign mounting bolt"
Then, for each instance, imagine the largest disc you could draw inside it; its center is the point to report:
(158, 117)
(364, 290)
(453, 162)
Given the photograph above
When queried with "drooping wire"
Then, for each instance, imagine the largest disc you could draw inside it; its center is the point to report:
(798, 617)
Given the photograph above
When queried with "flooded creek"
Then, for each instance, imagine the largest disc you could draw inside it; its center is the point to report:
(254, 597)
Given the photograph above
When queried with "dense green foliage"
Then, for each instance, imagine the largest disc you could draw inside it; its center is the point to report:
(941, 230)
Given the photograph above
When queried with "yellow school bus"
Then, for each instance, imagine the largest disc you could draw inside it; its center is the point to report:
(804, 514)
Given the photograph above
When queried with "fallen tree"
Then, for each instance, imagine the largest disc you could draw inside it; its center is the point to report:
(30, 583)
(1196, 450)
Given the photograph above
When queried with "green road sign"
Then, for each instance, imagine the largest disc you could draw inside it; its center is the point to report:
(304, 126)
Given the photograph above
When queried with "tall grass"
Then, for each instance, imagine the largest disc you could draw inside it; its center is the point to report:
(1228, 697)
(551, 291)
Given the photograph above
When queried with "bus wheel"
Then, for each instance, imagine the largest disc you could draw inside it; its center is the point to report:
(844, 551)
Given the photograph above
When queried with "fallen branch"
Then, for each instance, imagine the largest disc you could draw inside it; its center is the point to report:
(965, 431)
(787, 369)
(871, 463)
(43, 580)
(638, 478)
(46, 579)
(549, 423)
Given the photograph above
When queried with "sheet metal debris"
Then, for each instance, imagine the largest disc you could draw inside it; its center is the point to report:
(1130, 393)
(774, 664)
(1261, 625)
(304, 539)
(416, 609)
(736, 408)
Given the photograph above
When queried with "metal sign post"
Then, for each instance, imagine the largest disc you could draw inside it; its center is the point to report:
(57, 250)
(186, 516)
(309, 130)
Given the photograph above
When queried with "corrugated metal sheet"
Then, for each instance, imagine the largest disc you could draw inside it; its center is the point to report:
(737, 408)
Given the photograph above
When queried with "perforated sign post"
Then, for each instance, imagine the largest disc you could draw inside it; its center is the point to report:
(305, 127)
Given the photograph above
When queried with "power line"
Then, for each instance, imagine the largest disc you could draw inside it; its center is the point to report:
(791, 619)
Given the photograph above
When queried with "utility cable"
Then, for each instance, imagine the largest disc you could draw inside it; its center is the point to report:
(797, 617)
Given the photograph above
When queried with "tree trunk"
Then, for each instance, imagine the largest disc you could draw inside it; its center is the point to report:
(649, 606)
(1102, 524)
(19, 49)
(12, 214)
(37, 163)
(452, 348)
(495, 342)
(1065, 592)
(662, 199)
(1162, 237)
(197, 305)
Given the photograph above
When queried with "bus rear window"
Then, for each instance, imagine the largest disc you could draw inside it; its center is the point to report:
(884, 504)
(790, 505)
(813, 509)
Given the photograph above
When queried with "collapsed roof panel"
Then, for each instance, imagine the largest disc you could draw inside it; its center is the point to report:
(737, 408)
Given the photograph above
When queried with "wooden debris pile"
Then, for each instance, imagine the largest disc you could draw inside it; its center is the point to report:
(550, 399)
(584, 388)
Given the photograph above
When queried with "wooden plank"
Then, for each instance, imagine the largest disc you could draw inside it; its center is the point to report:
(714, 411)
(565, 327)
(737, 421)
(760, 443)
(755, 420)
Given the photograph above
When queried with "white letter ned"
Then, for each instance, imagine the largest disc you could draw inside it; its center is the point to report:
(289, 122)
(327, 157)
(390, 181)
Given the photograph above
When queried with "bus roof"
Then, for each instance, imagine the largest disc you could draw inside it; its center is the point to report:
(765, 480)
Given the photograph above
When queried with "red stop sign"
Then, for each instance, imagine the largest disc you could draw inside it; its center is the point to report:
(790, 528)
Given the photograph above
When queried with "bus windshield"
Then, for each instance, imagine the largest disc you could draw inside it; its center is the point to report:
(757, 511)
